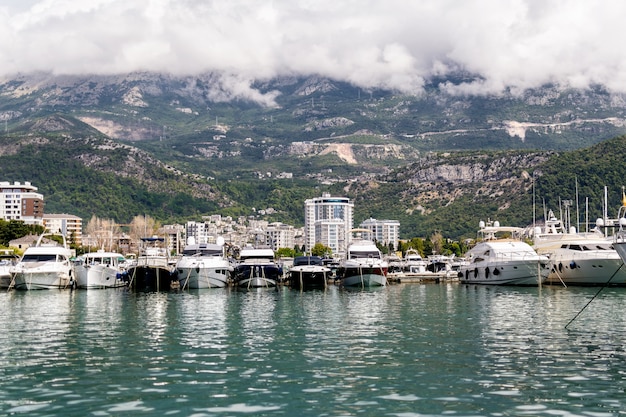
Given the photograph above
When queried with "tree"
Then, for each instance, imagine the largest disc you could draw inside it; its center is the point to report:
(321, 250)
(102, 231)
(437, 241)
(143, 226)
(14, 229)
(285, 253)
(297, 250)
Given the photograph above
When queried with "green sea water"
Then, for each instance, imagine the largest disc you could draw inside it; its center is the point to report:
(406, 350)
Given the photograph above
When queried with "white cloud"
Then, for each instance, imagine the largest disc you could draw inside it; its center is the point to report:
(395, 44)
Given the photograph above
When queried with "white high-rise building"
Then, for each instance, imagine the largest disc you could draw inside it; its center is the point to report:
(328, 220)
(383, 231)
(21, 202)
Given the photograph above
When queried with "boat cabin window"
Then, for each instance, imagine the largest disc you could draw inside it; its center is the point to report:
(307, 260)
(253, 257)
(39, 258)
(603, 247)
(202, 252)
(369, 254)
(101, 260)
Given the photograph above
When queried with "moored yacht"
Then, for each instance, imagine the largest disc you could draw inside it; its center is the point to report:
(43, 266)
(8, 260)
(152, 271)
(256, 268)
(204, 265)
(501, 258)
(413, 262)
(101, 269)
(578, 258)
(363, 264)
(619, 238)
(309, 272)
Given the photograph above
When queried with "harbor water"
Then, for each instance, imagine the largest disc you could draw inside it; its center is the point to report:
(406, 350)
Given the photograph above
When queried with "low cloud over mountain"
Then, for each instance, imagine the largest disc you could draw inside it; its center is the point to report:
(397, 45)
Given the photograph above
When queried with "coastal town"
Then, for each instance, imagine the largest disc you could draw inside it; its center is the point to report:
(250, 253)
(328, 221)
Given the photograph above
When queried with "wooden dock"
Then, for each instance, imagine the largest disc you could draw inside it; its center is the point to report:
(422, 277)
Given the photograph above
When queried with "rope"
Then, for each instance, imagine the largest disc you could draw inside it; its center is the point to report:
(187, 280)
(594, 297)
(556, 271)
(361, 273)
(12, 283)
(132, 278)
(208, 280)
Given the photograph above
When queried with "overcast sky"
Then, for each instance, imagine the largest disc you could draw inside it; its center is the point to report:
(394, 44)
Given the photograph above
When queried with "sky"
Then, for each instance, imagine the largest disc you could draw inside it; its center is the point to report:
(397, 45)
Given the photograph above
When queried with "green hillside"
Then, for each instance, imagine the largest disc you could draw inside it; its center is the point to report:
(122, 146)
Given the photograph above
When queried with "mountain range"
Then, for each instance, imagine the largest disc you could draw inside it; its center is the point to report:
(178, 148)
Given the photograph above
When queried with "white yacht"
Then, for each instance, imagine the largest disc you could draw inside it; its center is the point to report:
(501, 258)
(101, 269)
(413, 262)
(363, 264)
(43, 266)
(619, 238)
(578, 258)
(203, 265)
(256, 268)
(8, 259)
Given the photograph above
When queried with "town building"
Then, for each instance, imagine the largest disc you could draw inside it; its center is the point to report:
(67, 224)
(328, 220)
(384, 232)
(21, 202)
(280, 235)
(175, 238)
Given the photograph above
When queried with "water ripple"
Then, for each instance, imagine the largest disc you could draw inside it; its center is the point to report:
(404, 350)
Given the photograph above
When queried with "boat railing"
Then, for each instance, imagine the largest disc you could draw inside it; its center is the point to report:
(517, 256)
(152, 261)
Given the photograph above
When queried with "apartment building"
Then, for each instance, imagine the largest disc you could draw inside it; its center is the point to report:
(383, 231)
(21, 202)
(67, 224)
(328, 220)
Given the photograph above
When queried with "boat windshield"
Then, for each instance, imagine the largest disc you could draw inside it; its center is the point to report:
(592, 247)
(39, 258)
(308, 260)
(364, 254)
(202, 252)
(102, 260)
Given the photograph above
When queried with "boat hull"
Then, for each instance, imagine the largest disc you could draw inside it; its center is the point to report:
(587, 271)
(99, 276)
(505, 273)
(363, 276)
(5, 281)
(201, 278)
(151, 278)
(256, 276)
(309, 277)
(41, 280)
